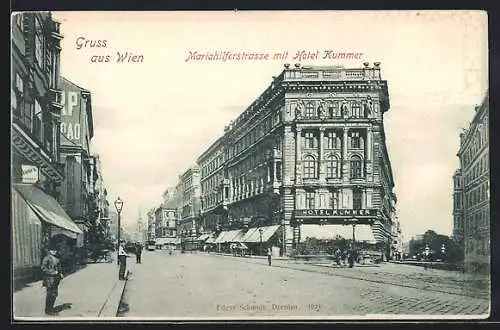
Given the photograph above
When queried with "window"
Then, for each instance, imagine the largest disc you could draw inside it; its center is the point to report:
(356, 167)
(332, 165)
(334, 109)
(309, 167)
(38, 43)
(310, 110)
(310, 200)
(38, 122)
(333, 141)
(356, 110)
(278, 171)
(356, 199)
(334, 199)
(355, 140)
(310, 140)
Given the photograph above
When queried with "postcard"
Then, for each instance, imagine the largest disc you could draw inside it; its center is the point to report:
(250, 165)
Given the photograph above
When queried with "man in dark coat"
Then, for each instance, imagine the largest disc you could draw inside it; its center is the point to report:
(52, 275)
(138, 253)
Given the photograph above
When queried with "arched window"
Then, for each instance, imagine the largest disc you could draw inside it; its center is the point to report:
(309, 167)
(332, 166)
(356, 167)
(310, 110)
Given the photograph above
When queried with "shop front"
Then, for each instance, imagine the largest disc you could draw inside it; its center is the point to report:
(38, 223)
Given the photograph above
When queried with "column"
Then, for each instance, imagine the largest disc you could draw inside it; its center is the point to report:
(298, 155)
(368, 148)
(321, 150)
(363, 199)
(345, 161)
(274, 171)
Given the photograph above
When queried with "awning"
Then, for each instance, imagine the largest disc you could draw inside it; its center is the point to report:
(253, 234)
(233, 236)
(203, 237)
(46, 207)
(362, 233)
(239, 245)
(167, 240)
(220, 237)
(210, 240)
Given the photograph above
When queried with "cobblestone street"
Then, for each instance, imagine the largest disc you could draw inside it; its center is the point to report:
(201, 285)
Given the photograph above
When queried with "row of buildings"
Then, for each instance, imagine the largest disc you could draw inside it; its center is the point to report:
(58, 194)
(471, 195)
(310, 150)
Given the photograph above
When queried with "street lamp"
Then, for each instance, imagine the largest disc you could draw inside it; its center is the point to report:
(118, 206)
(260, 232)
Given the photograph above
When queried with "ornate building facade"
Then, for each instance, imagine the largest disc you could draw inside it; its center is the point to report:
(190, 203)
(37, 217)
(471, 212)
(309, 150)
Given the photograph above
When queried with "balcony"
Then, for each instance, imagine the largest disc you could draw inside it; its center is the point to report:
(333, 74)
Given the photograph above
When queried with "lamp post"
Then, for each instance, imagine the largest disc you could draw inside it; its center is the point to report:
(118, 206)
(260, 232)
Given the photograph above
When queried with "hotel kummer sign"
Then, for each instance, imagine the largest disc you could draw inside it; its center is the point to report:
(337, 216)
(71, 114)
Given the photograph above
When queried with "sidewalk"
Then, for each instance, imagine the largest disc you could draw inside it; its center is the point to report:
(94, 291)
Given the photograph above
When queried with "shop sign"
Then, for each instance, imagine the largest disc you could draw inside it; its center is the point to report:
(30, 174)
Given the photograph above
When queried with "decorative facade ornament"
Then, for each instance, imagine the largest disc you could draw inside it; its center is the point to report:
(299, 110)
(345, 109)
(322, 110)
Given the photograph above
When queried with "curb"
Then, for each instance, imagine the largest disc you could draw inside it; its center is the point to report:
(110, 307)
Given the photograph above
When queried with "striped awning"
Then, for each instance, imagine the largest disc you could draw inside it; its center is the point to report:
(46, 207)
(203, 237)
(253, 234)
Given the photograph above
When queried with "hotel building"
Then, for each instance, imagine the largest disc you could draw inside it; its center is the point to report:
(309, 150)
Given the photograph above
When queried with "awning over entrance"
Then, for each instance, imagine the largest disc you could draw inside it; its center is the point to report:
(46, 207)
(362, 233)
(203, 237)
(253, 234)
(229, 236)
(210, 240)
(167, 240)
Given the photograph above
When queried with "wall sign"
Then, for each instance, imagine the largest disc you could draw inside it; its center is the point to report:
(30, 174)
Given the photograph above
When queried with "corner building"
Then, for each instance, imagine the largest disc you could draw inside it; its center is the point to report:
(471, 212)
(310, 150)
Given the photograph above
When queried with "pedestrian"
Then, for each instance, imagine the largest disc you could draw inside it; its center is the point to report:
(122, 261)
(52, 276)
(269, 256)
(138, 253)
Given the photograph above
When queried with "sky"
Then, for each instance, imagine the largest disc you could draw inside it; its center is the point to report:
(153, 118)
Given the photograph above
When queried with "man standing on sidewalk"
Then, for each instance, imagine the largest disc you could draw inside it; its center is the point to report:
(52, 275)
(269, 254)
(138, 253)
(122, 261)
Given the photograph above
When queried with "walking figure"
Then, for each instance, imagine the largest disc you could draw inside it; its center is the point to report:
(52, 276)
(138, 253)
(122, 261)
(269, 256)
